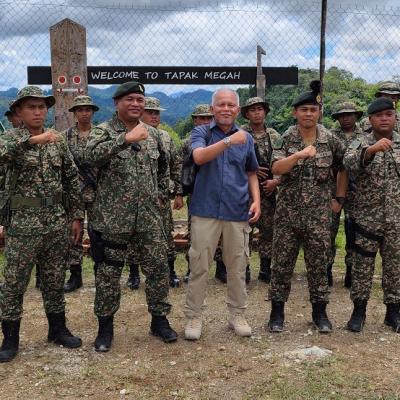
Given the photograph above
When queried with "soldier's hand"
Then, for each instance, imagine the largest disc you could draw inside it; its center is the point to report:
(178, 202)
(269, 186)
(262, 173)
(76, 230)
(335, 206)
(239, 137)
(49, 136)
(138, 133)
(381, 145)
(308, 152)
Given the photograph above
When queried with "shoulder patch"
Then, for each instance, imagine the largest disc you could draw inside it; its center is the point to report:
(355, 144)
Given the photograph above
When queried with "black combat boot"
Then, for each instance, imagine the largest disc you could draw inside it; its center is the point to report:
(174, 281)
(329, 275)
(38, 281)
(392, 317)
(347, 277)
(357, 319)
(248, 274)
(160, 327)
(133, 281)
(105, 334)
(265, 270)
(220, 272)
(277, 316)
(9, 347)
(320, 318)
(59, 333)
(75, 280)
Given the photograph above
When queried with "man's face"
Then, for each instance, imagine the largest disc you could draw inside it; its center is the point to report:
(151, 117)
(256, 114)
(32, 112)
(393, 97)
(383, 122)
(14, 120)
(130, 107)
(225, 108)
(307, 115)
(83, 114)
(347, 121)
(202, 120)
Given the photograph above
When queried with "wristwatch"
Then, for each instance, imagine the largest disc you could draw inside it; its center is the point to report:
(227, 141)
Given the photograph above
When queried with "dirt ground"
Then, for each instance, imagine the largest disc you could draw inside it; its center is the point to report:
(220, 365)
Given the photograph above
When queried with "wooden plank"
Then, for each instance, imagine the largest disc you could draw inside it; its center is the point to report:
(68, 68)
(110, 75)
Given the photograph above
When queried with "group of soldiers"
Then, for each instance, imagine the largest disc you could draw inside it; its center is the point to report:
(124, 173)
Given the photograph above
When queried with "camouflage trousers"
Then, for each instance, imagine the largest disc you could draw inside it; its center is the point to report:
(151, 247)
(265, 226)
(50, 252)
(349, 234)
(76, 250)
(291, 232)
(368, 242)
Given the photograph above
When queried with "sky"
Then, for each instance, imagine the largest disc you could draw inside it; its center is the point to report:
(363, 39)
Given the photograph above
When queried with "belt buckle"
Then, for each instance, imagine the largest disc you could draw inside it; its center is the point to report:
(47, 202)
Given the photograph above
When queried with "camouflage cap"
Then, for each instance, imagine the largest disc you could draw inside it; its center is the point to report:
(127, 88)
(152, 103)
(83, 101)
(380, 104)
(388, 88)
(346, 107)
(202, 110)
(251, 102)
(35, 92)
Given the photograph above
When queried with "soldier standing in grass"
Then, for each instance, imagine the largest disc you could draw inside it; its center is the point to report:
(132, 167)
(347, 115)
(43, 195)
(77, 136)
(374, 161)
(304, 159)
(151, 116)
(255, 110)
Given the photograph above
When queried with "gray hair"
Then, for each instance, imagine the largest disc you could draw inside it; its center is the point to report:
(218, 91)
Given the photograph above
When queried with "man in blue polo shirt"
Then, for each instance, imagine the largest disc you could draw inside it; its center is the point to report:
(225, 199)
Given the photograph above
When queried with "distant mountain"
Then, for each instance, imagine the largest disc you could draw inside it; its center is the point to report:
(178, 105)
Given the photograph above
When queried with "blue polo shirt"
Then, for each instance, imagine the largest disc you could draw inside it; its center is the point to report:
(221, 189)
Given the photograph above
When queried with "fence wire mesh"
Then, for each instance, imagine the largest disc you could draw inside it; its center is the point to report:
(360, 39)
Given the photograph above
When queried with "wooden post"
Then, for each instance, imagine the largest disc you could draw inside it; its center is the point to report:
(68, 68)
(260, 82)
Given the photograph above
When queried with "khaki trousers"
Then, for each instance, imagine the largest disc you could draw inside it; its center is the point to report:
(205, 234)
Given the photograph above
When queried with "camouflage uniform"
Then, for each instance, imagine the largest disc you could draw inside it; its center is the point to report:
(77, 146)
(126, 212)
(38, 230)
(377, 216)
(264, 144)
(303, 214)
(366, 126)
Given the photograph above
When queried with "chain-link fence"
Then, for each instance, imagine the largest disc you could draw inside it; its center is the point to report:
(362, 40)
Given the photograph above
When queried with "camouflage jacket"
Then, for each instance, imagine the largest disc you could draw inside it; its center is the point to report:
(346, 140)
(366, 126)
(377, 197)
(128, 181)
(77, 146)
(174, 165)
(42, 171)
(307, 187)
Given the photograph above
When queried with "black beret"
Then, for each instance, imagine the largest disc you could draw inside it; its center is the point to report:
(127, 88)
(313, 97)
(380, 104)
